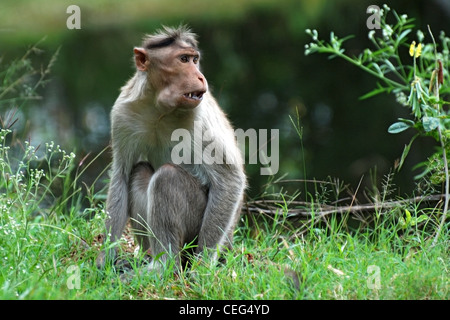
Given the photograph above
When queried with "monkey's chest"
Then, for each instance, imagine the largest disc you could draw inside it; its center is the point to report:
(157, 156)
(161, 143)
(179, 153)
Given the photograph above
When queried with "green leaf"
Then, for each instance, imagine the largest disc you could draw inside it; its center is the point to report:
(373, 93)
(424, 172)
(390, 65)
(377, 68)
(415, 105)
(430, 123)
(398, 127)
(408, 216)
(402, 35)
(158, 256)
(406, 151)
(419, 219)
(410, 221)
(402, 223)
(408, 121)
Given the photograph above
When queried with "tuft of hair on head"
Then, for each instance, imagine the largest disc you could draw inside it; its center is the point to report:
(167, 36)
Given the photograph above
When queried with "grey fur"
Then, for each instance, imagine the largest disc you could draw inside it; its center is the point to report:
(177, 203)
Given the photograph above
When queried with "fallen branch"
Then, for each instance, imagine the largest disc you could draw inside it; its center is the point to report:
(273, 207)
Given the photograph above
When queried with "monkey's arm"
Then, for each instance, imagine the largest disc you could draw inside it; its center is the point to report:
(117, 212)
(117, 199)
(117, 203)
(222, 210)
(116, 209)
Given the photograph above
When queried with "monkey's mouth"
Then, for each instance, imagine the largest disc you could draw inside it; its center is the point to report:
(196, 95)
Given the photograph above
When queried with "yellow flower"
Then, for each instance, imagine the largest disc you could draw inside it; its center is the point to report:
(418, 50)
(411, 48)
(413, 51)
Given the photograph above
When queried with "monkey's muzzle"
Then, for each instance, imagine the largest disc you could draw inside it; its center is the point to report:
(196, 95)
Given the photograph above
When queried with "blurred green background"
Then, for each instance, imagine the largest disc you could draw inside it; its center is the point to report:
(253, 58)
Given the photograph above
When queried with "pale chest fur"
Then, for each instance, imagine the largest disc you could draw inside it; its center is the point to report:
(143, 134)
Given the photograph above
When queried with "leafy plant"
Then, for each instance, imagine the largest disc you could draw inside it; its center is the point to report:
(19, 83)
(417, 82)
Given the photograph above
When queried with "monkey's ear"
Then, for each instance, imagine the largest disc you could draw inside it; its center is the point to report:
(141, 59)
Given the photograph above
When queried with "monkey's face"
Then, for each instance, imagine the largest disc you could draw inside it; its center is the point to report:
(176, 77)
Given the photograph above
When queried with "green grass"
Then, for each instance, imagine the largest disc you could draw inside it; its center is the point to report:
(36, 260)
(47, 246)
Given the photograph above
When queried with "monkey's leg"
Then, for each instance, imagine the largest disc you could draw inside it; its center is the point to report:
(139, 183)
(176, 205)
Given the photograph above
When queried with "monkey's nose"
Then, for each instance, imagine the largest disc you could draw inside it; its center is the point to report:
(201, 77)
(202, 80)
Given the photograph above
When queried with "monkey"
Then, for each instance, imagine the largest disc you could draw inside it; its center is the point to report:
(169, 203)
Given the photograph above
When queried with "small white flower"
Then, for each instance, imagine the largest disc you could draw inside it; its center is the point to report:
(315, 35)
(387, 32)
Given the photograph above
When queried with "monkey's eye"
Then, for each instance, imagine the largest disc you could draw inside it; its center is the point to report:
(184, 58)
(196, 59)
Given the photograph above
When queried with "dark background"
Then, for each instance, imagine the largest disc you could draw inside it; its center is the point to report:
(253, 58)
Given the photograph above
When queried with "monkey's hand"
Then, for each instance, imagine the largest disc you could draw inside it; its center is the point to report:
(101, 260)
(106, 257)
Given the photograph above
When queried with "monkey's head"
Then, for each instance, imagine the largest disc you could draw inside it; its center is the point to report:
(171, 61)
